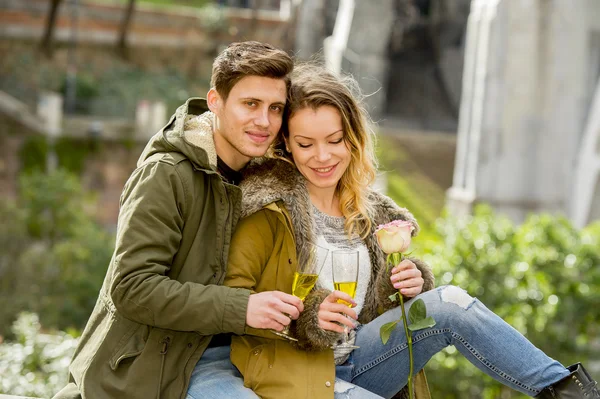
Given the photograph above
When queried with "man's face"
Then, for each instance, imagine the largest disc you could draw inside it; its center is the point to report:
(248, 121)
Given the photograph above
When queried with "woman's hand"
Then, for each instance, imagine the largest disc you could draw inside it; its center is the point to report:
(331, 312)
(407, 278)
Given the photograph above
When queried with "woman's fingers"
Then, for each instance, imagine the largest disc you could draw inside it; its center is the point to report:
(337, 296)
(334, 309)
(407, 278)
(330, 320)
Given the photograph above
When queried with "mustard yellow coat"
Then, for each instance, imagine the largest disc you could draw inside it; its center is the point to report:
(263, 258)
(275, 224)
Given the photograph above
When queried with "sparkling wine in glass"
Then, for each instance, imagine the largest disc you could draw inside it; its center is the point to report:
(345, 279)
(310, 262)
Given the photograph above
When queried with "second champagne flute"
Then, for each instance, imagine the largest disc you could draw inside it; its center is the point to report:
(345, 279)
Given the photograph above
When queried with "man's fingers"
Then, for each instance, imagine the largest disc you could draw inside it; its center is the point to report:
(291, 300)
(289, 310)
(269, 309)
(273, 325)
(280, 318)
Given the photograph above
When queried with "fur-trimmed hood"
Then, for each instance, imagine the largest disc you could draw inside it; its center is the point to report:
(270, 180)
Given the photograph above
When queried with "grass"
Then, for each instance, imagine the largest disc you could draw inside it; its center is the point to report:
(410, 184)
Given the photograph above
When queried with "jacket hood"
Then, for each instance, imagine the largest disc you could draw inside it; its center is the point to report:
(190, 132)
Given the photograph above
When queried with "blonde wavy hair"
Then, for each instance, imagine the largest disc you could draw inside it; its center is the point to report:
(313, 87)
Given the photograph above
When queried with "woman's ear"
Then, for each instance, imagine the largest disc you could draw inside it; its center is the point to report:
(287, 145)
(214, 101)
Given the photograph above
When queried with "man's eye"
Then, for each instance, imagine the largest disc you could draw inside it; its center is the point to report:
(277, 108)
(251, 103)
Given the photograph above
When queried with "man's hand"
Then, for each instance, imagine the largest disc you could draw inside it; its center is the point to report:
(330, 312)
(270, 310)
(407, 278)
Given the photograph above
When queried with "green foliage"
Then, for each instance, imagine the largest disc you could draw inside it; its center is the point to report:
(33, 154)
(58, 255)
(54, 204)
(70, 152)
(36, 363)
(542, 277)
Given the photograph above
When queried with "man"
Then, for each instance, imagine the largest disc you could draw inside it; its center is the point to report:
(162, 303)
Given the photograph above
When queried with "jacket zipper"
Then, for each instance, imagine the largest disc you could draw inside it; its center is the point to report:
(163, 353)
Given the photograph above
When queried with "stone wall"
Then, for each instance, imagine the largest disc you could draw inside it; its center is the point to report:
(531, 72)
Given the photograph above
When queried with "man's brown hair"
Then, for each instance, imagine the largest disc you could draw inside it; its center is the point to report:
(249, 58)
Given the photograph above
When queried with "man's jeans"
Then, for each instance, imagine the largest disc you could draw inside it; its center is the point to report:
(480, 335)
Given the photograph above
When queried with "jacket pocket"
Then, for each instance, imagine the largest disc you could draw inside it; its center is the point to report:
(130, 345)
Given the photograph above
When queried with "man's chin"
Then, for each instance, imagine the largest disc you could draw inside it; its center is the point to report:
(256, 152)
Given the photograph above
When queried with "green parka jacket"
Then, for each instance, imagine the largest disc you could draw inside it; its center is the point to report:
(276, 224)
(162, 297)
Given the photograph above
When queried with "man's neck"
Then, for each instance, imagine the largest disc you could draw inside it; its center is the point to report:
(229, 175)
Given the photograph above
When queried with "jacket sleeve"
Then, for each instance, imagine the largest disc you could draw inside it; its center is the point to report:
(151, 221)
(311, 337)
(384, 287)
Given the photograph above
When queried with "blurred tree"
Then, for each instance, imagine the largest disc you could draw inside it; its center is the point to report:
(58, 255)
(124, 28)
(46, 45)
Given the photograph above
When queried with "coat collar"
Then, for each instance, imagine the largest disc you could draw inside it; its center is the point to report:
(268, 181)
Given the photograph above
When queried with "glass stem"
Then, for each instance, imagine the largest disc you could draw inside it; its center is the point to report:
(346, 333)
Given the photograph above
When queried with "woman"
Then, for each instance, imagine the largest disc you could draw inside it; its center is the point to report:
(316, 190)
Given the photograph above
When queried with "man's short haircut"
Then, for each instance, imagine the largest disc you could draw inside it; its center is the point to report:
(249, 58)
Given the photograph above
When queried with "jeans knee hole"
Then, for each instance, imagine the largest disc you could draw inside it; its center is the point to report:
(456, 296)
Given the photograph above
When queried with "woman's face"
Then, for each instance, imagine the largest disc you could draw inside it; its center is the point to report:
(317, 144)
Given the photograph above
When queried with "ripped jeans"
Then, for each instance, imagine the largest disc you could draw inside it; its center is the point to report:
(480, 335)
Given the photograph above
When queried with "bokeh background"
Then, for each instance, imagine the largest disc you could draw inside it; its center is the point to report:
(488, 121)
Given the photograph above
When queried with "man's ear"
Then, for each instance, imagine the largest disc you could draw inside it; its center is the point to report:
(214, 101)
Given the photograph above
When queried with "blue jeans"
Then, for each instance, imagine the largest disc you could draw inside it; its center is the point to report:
(480, 335)
(216, 377)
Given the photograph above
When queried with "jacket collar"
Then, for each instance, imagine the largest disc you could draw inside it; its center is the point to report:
(268, 181)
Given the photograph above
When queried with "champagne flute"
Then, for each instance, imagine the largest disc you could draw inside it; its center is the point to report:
(345, 279)
(310, 262)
